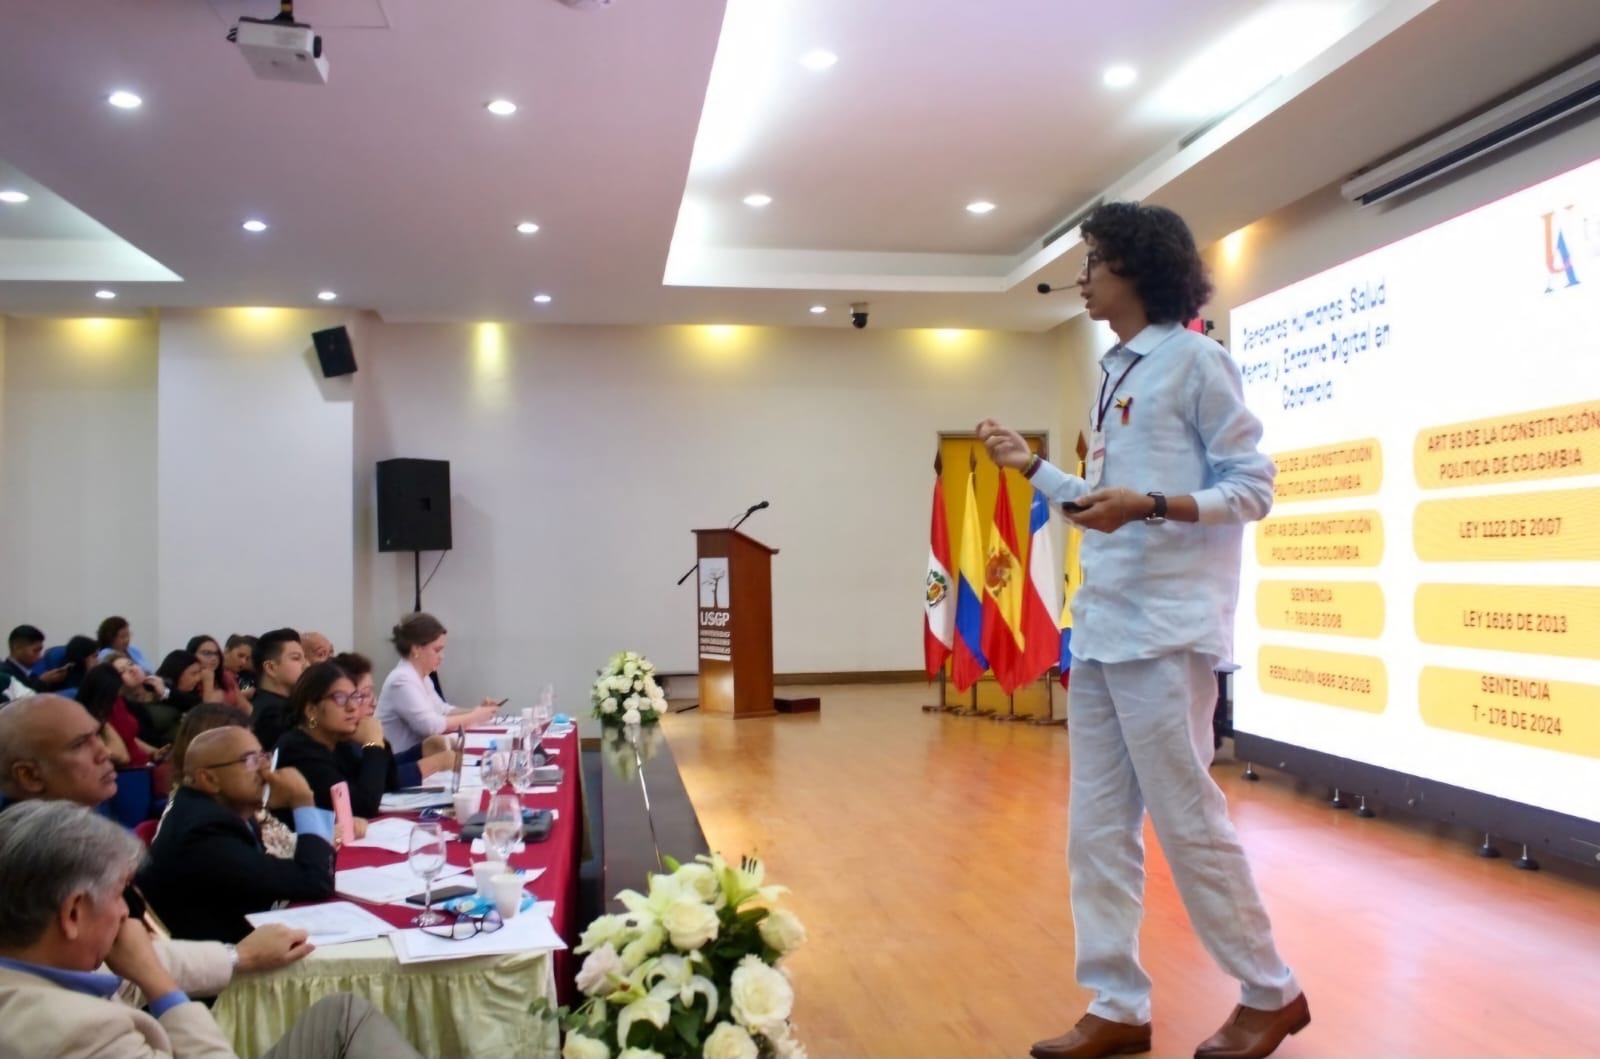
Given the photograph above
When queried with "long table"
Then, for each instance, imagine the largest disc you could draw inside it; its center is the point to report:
(473, 1006)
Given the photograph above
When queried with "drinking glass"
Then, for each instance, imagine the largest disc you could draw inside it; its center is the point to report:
(426, 857)
(502, 826)
(495, 768)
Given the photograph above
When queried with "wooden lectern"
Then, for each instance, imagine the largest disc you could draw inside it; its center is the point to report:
(734, 617)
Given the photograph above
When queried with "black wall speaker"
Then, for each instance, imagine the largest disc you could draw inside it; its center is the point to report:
(414, 505)
(334, 351)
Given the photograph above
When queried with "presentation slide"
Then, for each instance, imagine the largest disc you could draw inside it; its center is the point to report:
(1425, 595)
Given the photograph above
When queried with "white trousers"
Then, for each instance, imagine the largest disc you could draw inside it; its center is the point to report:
(1141, 739)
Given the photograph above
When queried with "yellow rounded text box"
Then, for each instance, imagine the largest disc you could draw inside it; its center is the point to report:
(1561, 620)
(1533, 527)
(1339, 538)
(1336, 608)
(1513, 708)
(1351, 682)
(1349, 468)
(1561, 442)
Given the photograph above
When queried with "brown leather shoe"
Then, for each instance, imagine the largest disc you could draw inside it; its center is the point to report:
(1251, 1033)
(1094, 1037)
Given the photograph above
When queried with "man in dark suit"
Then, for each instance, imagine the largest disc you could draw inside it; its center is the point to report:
(207, 867)
(25, 646)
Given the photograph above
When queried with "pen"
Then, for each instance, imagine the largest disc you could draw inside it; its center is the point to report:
(266, 789)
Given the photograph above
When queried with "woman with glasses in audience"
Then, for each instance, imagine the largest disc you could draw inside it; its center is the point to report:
(433, 754)
(216, 683)
(332, 742)
(409, 706)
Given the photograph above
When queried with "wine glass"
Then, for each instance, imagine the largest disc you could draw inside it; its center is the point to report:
(523, 764)
(541, 721)
(494, 769)
(502, 826)
(426, 857)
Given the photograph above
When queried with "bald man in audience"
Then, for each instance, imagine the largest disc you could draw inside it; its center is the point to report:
(80, 976)
(318, 647)
(50, 750)
(208, 868)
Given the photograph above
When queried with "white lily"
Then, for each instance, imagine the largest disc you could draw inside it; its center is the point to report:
(650, 1009)
(675, 980)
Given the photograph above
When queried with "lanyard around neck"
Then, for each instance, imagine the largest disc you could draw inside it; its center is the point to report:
(1103, 402)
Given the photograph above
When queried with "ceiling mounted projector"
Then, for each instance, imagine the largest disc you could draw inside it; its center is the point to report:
(281, 49)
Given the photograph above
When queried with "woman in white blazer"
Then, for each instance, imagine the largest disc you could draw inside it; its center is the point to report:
(409, 707)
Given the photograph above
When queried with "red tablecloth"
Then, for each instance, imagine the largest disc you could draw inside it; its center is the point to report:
(557, 855)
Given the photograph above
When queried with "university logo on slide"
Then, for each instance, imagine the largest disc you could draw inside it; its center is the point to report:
(1558, 249)
(713, 584)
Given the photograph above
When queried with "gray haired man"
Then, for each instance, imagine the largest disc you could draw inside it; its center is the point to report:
(78, 977)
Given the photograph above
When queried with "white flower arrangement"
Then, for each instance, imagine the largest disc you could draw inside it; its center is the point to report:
(625, 691)
(690, 969)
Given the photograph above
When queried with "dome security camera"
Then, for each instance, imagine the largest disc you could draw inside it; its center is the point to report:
(858, 315)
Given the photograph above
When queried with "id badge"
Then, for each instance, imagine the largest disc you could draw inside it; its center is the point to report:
(1096, 463)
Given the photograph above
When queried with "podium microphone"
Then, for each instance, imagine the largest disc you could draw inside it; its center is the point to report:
(750, 511)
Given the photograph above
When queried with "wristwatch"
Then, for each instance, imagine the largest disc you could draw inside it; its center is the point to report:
(1159, 514)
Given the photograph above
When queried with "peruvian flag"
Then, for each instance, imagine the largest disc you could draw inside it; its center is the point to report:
(939, 602)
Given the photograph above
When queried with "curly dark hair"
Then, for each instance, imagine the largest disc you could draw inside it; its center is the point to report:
(1152, 246)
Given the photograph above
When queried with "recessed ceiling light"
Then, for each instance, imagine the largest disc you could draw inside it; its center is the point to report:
(501, 108)
(541, 299)
(253, 225)
(818, 59)
(527, 228)
(105, 295)
(819, 309)
(758, 200)
(980, 207)
(1120, 76)
(123, 100)
(15, 198)
(326, 295)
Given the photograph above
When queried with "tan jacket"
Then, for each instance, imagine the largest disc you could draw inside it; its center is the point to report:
(40, 1018)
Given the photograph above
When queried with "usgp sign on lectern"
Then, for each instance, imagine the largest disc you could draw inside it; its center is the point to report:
(716, 617)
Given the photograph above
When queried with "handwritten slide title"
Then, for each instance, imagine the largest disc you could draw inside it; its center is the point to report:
(1304, 350)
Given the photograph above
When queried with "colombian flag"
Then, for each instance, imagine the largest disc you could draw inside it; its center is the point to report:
(1040, 642)
(938, 604)
(1002, 596)
(969, 660)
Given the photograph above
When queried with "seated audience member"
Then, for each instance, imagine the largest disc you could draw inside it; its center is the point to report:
(318, 647)
(183, 673)
(78, 657)
(216, 683)
(332, 743)
(408, 706)
(276, 838)
(116, 635)
(146, 695)
(12, 689)
(239, 659)
(26, 645)
(207, 868)
(279, 661)
(434, 754)
(79, 976)
(102, 695)
(50, 750)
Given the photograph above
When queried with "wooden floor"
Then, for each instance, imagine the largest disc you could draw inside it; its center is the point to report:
(926, 856)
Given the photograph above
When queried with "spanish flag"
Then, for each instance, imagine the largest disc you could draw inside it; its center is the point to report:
(1002, 596)
(969, 661)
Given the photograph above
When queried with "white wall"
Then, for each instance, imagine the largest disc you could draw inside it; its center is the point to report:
(581, 458)
(78, 493)
(254, 468)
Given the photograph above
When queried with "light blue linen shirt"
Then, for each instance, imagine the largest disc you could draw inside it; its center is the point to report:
(1149, 590)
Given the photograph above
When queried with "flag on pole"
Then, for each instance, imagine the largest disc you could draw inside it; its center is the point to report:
(969, 661)
(1002, 595)
(938, 603)
(1073, 576)
(1040, 637)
